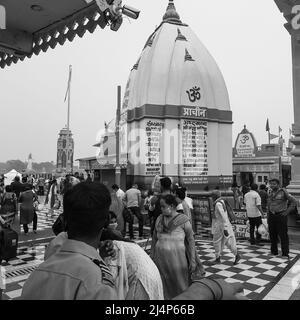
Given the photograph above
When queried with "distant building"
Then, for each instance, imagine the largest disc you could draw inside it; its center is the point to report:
(29, 170)
(65, 152)
(102, 166)
(259, 164)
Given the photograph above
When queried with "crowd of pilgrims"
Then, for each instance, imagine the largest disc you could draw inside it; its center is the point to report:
(172, 269)
(19, 201)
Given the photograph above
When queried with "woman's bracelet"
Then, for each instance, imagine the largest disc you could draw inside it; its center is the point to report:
(207, 286)
(221, 289)
(214, 286)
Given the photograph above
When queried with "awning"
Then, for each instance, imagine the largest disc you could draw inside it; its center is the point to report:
(34, 26)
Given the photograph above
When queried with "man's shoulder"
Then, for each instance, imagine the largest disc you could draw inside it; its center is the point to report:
(219, 203)
(72, 272)
(76, 266)
(251, 194)
(281, 191)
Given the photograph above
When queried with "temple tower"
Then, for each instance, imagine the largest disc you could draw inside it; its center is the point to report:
(65, 152)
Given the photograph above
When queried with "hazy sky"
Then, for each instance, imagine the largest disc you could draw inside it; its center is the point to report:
(246, 37)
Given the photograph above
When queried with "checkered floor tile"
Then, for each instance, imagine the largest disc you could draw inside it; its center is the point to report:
(258, 270)
(45, 221)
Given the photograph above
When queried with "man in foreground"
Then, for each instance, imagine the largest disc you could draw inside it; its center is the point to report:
(77, 272)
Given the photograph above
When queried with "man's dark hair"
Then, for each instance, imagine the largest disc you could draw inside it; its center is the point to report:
(275, 180)
(8, 189)
(115, 187)
(165, 183)
(150, 193)
(262, 187)
(254, 186)
(24, 179)
(180, 192)
(112, 215)
(17, 179)
(170, 200)
(86, 208)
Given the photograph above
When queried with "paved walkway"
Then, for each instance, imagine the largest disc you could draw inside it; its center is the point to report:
(264, 276)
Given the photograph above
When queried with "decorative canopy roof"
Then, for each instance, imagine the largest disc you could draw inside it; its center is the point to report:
(45, 24)
(175, 69)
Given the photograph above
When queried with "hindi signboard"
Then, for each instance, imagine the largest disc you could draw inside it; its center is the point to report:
(202, 210)
(194, 150)
(245, 146)
(154, 130)
(194, 112)
(241, 226)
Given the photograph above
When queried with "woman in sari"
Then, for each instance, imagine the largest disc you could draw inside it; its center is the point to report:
(173, 248)
(27, 210)
(52, 197)
(8, 205)
(184, 208)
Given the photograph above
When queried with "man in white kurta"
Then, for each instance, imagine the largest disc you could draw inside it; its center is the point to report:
(222, 229)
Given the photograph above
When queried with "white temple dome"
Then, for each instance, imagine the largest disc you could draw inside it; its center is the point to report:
(173, 62)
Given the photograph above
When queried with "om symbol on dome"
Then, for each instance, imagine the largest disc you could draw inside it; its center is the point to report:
(194, 94)
(244, 139)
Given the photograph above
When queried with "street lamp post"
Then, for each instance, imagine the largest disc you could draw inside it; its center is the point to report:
(118, 168)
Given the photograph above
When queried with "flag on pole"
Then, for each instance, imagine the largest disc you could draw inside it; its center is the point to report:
(273, 136)
(69, 83)
(267, 126)
(279, 129)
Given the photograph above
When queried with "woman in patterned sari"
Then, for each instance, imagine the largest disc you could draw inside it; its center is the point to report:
(173, 248)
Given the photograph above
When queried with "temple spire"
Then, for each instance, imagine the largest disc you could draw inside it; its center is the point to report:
(171, 14)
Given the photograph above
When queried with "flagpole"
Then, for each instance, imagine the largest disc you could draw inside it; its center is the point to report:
(69, 100)
(68, 115)
(69, 105)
